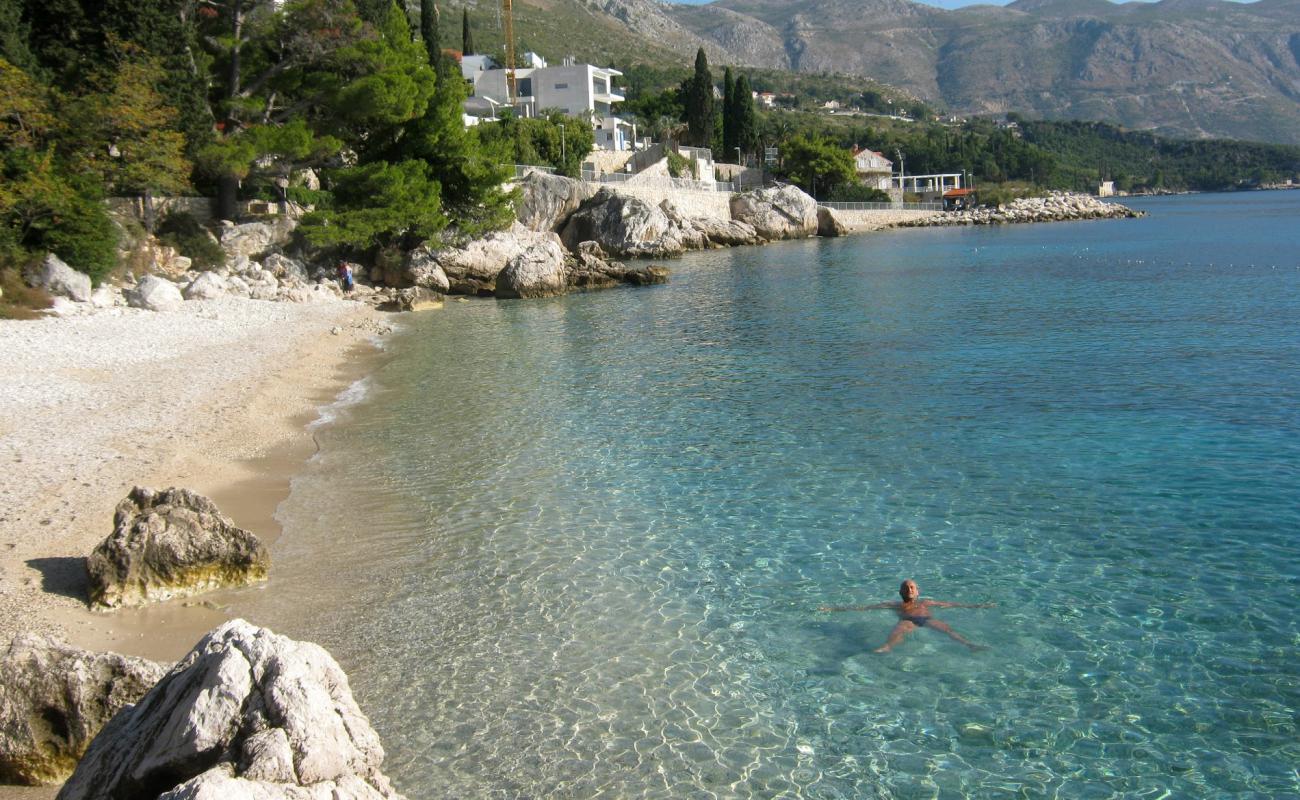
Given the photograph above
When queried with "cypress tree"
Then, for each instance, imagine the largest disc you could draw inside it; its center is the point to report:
(430, 33)
(699, 103)
(466, 38)
(746, 118)
(728, 115)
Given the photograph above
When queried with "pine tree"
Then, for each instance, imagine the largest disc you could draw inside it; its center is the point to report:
(699, 103)
(466, 37)
(728, 115)
(745, 117)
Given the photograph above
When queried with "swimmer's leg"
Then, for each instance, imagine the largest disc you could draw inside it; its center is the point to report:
(943, 626)
(896, 635)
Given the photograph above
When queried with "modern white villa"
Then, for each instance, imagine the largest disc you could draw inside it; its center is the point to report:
(576, 89)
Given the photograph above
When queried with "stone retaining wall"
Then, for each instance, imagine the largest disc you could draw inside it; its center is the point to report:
(711, 205)
(858, 221)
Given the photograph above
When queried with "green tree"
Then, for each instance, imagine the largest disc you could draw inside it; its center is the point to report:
(466, 36)
(728, 115)
(818, 165)
(698, 103)
(745, 117)
(377, 205)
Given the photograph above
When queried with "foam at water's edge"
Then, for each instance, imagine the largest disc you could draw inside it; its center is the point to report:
(351, 396)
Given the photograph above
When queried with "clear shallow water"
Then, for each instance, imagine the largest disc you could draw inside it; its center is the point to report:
(574, 548)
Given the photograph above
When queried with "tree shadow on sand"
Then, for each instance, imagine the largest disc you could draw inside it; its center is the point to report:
(65, 575)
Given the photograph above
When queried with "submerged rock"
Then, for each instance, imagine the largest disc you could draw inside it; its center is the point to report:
(54, 699)
(171, 544)
(245, 714)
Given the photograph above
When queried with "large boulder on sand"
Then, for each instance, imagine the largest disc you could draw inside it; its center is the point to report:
(421, 270)
(624, 226)
(244, 715)
(153, 293)
(539, 271)
(54, 699)
(777, 212)
(171, 544)
(57, 278)
(208, 286)
(548, 200)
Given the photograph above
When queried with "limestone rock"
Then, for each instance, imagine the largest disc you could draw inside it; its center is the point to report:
(1056, 207)
(624, 226)
(245, 714)
(420, 268)
(284, 269)
(472, 267)
(536, 272)
(171, 544)
(57, 278)
(155, 294)
(207, 286)
(107, 297)
(55, 698)
(251, 239)
(548, 200)
(418, 298)
(777, 212)
(592, 269)
(726, 233)
(829, 224)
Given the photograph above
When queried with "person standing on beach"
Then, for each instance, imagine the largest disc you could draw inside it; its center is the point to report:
(345, 276)
(913, 612)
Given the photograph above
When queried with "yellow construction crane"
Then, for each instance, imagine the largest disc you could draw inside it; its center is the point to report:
(508, 13)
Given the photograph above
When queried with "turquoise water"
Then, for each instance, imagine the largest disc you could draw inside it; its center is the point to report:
(574, 548)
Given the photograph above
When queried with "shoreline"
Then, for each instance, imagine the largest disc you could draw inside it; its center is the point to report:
(219, 404)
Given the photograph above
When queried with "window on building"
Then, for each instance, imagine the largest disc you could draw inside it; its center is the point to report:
(560, 86)
(525, 88)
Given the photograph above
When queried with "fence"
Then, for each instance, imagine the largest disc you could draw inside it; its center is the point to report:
(882, 206)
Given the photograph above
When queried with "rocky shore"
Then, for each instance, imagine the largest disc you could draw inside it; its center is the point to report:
(1058, 207)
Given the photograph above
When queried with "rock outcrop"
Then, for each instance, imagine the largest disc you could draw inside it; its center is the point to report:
(251, 239)
(548, 200)
(625, 227)
(828, 224)
(537, 272)
(57, 278)
(473, 266)
(245, 714)
(207, 286)
(1057, 207)
(777, 212)
(592, 269)
(153, 293)
(54, 699)
(171, 544)
(418, 298)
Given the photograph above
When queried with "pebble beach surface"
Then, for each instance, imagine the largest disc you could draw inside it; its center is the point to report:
(91, 405)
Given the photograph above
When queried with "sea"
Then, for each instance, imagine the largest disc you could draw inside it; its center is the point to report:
(577, 547)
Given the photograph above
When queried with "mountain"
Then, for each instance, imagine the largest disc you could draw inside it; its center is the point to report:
(1180, 67)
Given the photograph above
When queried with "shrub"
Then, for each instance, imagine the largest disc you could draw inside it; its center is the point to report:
(857, 193)
(20, 301)
(183, 232)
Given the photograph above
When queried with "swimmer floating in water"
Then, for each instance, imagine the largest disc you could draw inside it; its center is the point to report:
(913, 613)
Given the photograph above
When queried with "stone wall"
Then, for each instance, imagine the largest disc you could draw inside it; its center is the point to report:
(712, 205)
(606, 161)
(858, 221)
(201, 208)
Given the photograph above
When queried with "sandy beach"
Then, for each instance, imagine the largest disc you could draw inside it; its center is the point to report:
(215, 397)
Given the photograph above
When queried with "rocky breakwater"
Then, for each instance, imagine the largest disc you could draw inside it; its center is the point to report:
(245, 715)
(54, 699)
(1060, 207)
(168, 544)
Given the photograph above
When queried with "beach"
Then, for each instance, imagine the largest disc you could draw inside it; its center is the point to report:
(215, 397)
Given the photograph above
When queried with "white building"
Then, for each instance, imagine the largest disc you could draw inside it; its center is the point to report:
(575, 89)
(873, 169)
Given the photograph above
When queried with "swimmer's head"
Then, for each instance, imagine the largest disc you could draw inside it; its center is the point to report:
(909, 591)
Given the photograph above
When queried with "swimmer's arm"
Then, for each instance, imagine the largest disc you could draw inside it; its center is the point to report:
(946, 604)
(871, 607)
